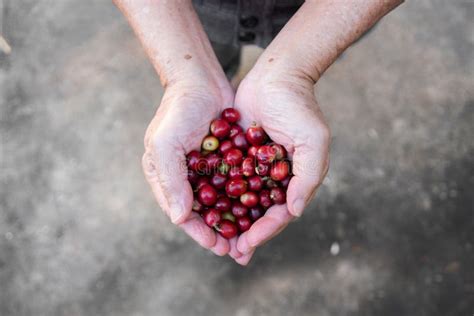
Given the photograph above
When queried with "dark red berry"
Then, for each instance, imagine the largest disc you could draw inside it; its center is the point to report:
(279, 170)
(223, 204)
(278, 195)
(243, 223)
(225, 146)
(235, 172)
(249, 199)
(210, 143)
(285, 182)
(233, 157)
(265, 199)
(252, 151)
(202, 181)
(227, 229)
(238, 209)
(236, 187)
(256, 135)
(197, 207)
(255, 183)
(262, 169)
(218, 181)
(207, 195)
(265, 154)
(239, 141)
(193, 177)
(280, 151)
(193, 159)
(231, 115)
(211, 217)
(255, 212)
(220, 128)
(213, 161)
(248, 167)
(234, 130)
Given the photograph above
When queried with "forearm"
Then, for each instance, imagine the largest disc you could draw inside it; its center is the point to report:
(173, 39)
(320, 31)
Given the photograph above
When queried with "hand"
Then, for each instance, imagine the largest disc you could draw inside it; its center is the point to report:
(181, 122)
(285, 106)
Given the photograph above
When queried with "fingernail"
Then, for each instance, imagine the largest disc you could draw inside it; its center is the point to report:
(298, 207)
(176, 215)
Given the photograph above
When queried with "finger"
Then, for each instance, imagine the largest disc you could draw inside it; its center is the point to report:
(195, 227)
(310, 163)
(272, 223)
(245, 259)
(233, 252)
(221, 248)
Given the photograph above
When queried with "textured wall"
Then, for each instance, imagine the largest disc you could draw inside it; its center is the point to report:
(80, 233)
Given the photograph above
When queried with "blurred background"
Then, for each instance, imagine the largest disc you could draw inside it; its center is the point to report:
(391, 231)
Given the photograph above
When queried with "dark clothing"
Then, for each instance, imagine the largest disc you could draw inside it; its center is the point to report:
(233, 23)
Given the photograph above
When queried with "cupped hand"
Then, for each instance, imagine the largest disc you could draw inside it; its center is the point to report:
(285, 106)
(181, 122)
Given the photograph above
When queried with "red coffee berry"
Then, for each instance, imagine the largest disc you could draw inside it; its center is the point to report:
(193, 177)
(235, 172)
(243, 223)
(255, 183)
(225, 146)
(211, 217)
(197, 207)
(220, 128)
(231, 115)
(255, 213)
(233, 157)
(265, 154)
(248, 167)
(262, 169)
(202, 181)
(265, 199)
(218, 181)
(255, 135)
(223, 204)
(207, 195)
(234, 130)
(235, 187)
(193, 159)
(249, 199)
(285, 182)
(278, 195)
(227, 229)
(280, 151)
(238, 209)
(239, 141)
(213, 161)
(279, 170)
(252, 151)
(228, 216)
(210, 143)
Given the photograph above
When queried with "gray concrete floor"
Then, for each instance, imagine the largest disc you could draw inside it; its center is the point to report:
(80, 233)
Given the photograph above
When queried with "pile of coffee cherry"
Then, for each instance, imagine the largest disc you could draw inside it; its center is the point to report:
(237, 175)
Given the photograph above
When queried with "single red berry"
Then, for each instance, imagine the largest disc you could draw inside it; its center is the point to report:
(249, 199)
(248, 167)
(202, 168)
(207, 195)
(220, 128)
(238, 209)
(278, 195)
(227, 229)
(197, 207)
(202, 181)
(231, 115)
(279, 170)
(213, 161)
(252, 151)
(265, 199)
(270, 183)
(193, 159)
(233, 157)
(210, 143)
(218, 180)
(285, 182)
(212, 217)
(223, 204)
(280, 151)
(235, 187)
(262, 169)
(265, 154)
(256, 212)
(255, 183)
(239, 141)
(225, 146)
(256, 135)
(243, 223)
(234, 130)
(193, 177)
(235, 172)
(228, 216)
